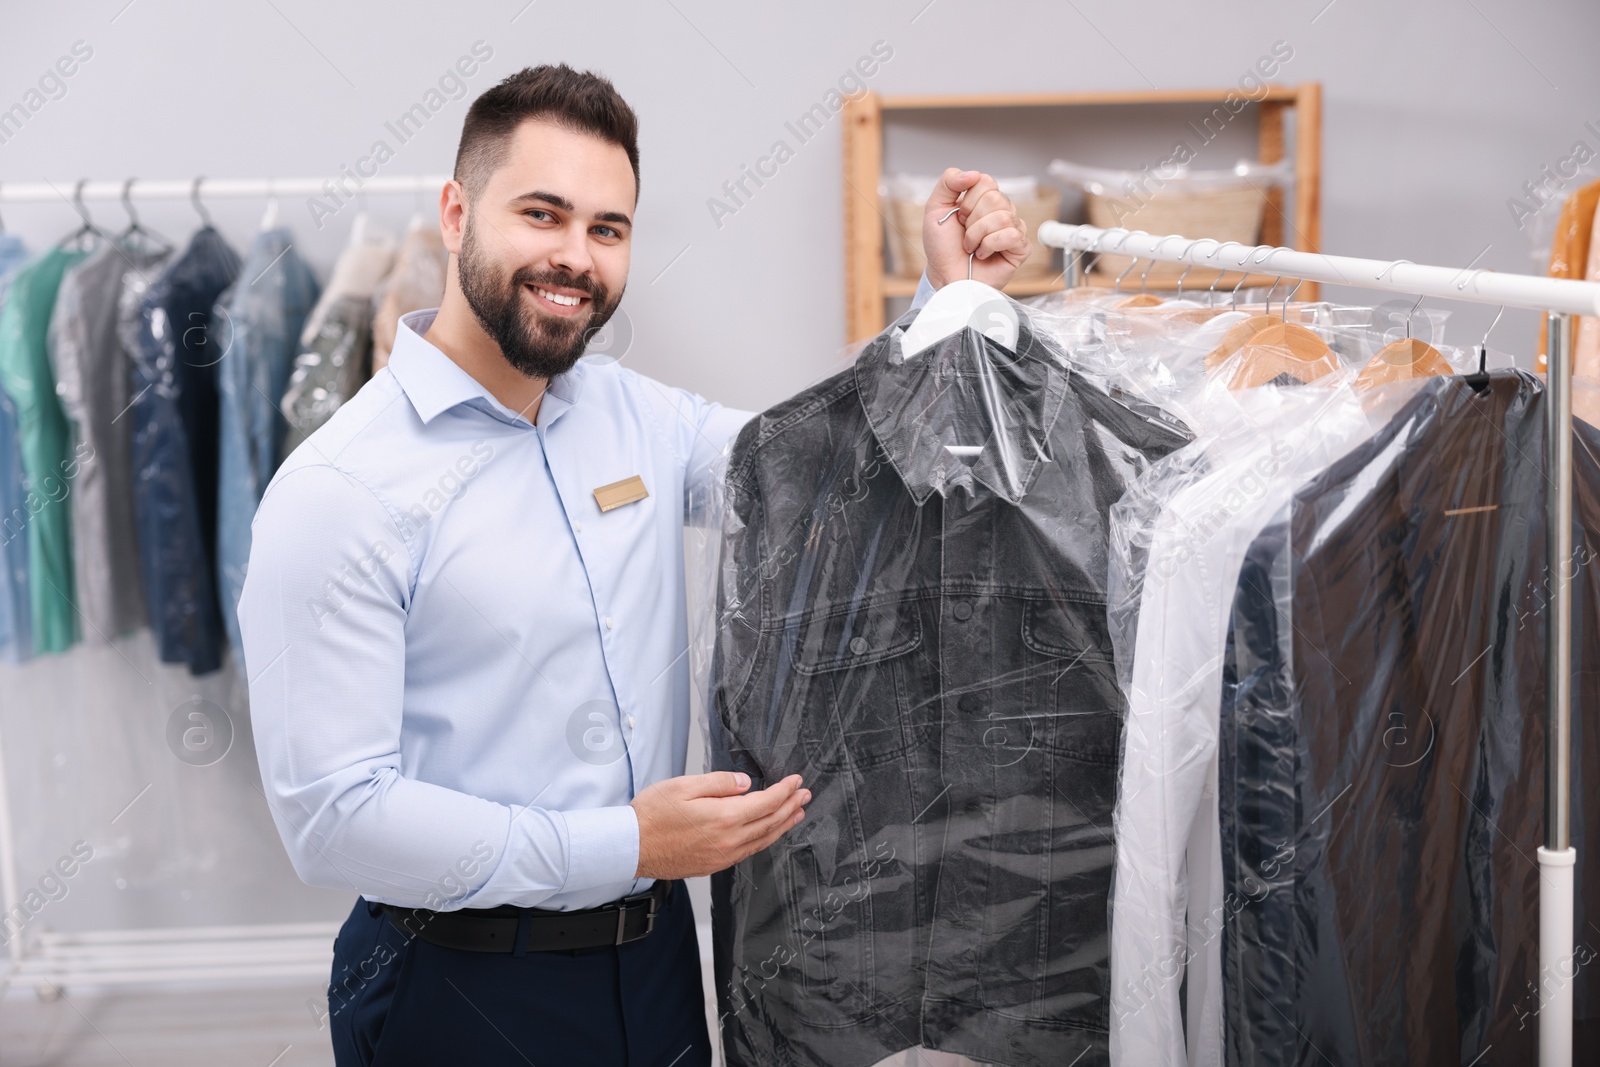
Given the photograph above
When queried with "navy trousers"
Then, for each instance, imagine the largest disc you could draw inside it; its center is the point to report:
(395, 1001)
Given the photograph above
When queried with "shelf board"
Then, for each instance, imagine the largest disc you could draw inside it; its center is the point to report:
(895, 286)
(945, 100)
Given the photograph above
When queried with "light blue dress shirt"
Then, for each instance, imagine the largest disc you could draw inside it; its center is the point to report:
(461, 669)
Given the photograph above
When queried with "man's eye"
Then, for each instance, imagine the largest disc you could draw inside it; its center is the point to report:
(606, 231)
(539, 214)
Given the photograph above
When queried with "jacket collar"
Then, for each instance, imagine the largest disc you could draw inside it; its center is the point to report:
(435, 383)
(968, 392)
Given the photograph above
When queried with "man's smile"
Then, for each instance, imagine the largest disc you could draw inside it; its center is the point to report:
(560, 301)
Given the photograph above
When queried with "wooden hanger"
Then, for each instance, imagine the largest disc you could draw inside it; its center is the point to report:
(1240, 333)
(1403, 360)
(1279, 349)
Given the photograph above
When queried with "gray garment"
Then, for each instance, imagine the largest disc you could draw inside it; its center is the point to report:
(335, 347)
(90, 362)
(329, 370)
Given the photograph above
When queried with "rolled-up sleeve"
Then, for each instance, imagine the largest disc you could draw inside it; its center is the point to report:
(323, 616)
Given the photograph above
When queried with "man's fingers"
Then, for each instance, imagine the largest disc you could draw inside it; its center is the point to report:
(952, 183)
(973, 203)
(714, 784)
(768, 839)
(763, 802)
(779, 819)
(1009, 241)
(991, 222)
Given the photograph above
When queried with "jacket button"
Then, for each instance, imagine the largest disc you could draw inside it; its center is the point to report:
(858, 645)
(962, 611)
(970, 703)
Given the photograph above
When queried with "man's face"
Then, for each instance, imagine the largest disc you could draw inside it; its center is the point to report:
(544, 250)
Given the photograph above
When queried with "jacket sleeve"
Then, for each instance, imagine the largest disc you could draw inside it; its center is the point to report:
(323, 615)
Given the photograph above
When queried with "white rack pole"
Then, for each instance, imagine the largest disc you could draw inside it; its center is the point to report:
(1557, 858)
(172, 189)
(1562, 298)
(1401, 276)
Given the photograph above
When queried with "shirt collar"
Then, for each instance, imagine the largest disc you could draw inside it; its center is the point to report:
(435, 383)
(966, 391)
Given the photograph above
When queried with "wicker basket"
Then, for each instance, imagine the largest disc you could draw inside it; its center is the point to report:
(1231, 214)
(907, 259)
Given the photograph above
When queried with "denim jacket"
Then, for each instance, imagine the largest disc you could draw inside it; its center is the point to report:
(913, 600)
(262, 321)
(175, 450)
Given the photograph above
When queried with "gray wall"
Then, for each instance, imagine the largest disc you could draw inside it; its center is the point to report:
(1436, 113)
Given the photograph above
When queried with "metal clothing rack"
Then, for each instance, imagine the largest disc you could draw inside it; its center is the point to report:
(1562, 299)
(251, 952)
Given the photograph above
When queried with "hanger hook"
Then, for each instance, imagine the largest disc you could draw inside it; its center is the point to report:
(194, 198)
(1283, 314)
(77, 202)
(1391, 267)
(1117, 286)
(1187, 265)
(1485, 342)
(127, 204)
(1412, 312)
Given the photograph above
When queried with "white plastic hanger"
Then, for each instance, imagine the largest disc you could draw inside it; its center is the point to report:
(958, 305)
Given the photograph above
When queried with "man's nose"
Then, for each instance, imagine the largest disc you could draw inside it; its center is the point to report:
(572, 254)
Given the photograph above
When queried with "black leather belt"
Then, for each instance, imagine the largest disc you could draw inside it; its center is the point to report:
(509, 928)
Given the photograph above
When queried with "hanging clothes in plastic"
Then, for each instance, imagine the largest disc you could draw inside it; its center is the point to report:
(913, 616)
(1168, 907)
(16, 626)
(416, 282)
(47, 458)
(333, 361)
(175, 449)
(1380, 776)
(92, 377)
(261, 323)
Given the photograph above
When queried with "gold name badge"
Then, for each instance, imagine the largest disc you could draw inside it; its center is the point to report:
(619, 493)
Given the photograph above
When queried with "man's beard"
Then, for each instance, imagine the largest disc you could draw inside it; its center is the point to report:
(535, 344)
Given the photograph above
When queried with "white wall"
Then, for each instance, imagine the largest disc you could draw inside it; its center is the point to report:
(1436, 113)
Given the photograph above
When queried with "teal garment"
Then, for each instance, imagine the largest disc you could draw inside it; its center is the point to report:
(48, 460)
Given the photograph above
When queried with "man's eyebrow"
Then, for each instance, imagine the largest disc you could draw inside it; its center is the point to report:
(563, 204)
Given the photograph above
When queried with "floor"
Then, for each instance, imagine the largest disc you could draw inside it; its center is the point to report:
(259, 1026)
(255, 1026)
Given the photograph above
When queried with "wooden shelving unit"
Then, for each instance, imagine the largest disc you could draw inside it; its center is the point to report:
(866, 284)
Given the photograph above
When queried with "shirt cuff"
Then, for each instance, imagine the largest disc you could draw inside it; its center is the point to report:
(924, 291)
(602, 847)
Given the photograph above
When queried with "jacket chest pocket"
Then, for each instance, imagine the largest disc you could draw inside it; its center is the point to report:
(1073, 679)
(850, 684)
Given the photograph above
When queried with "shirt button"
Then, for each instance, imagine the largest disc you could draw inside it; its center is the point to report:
(578, 526)
(608, 622)
(962, 611)
(630, 722)
(970, 703)
(858, 645)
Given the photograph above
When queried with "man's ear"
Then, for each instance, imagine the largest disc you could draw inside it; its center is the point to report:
(452, 215)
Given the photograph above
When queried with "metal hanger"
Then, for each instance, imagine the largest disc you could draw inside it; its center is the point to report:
(135, 228)
(1479, 379)
(194, 198)
(80, 237)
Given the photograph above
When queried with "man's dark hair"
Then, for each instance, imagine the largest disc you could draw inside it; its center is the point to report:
(581, 101)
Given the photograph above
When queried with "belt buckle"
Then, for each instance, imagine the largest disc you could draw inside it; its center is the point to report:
(648, 898)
